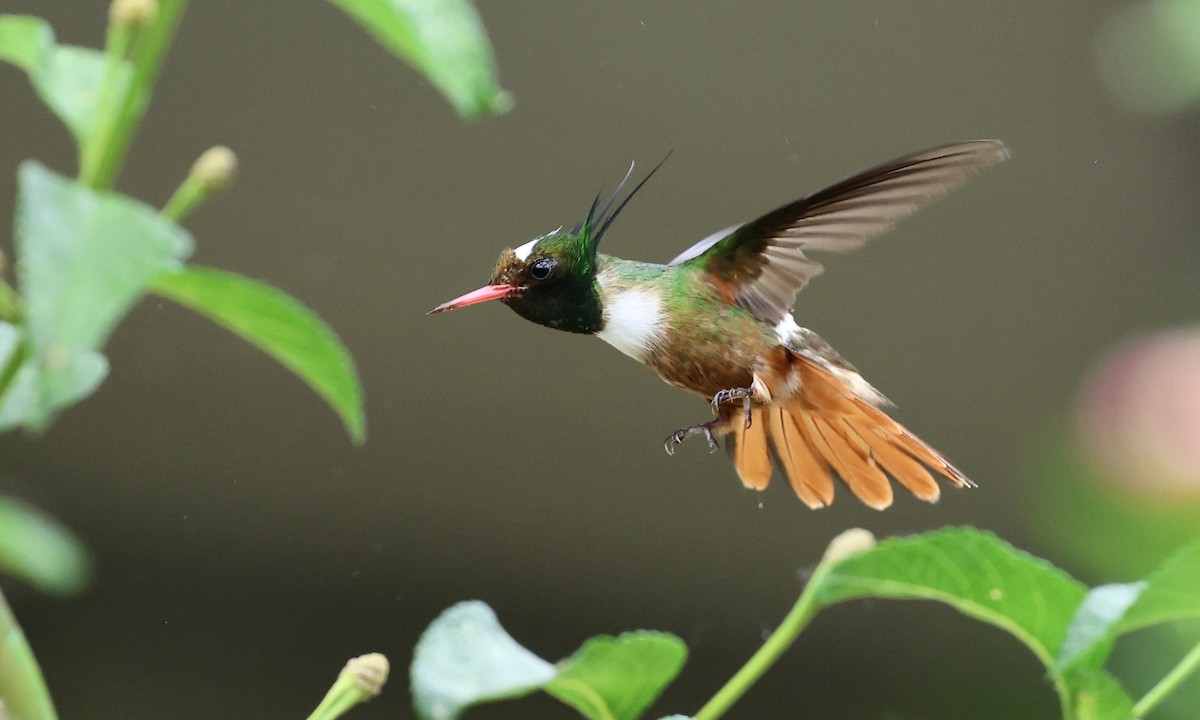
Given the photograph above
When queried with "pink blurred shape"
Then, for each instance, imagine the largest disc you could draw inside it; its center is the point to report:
(1138, 415)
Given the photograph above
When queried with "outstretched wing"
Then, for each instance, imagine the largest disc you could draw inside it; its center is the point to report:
(761, 264)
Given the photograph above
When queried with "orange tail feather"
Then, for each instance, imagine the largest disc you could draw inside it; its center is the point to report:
(748, 446)
(827, 427)
(805, 469)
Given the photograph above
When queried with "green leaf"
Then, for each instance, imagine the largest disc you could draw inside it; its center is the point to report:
(279, 325)
(24, 40)
(37, 549)
(70, 83)
(465, 657)
(1098, 696)
(21, 402)
(67, 78)
(972, 571)
(1172, 592)
(1089, 636)
(618, 678)
(13, 355)
(84, 258)
(443, 39)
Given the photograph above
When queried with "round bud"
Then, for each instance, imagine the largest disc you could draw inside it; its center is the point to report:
(216, 167)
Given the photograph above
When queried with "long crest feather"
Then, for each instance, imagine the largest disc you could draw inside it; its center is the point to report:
(603, 219)
(616, 193)
(587, 220)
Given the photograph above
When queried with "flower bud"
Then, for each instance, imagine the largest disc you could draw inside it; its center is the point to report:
(133, 13)
(850, 543)
(369, 672)
(216, 167)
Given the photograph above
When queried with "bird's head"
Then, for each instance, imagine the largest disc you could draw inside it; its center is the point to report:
(551, 280)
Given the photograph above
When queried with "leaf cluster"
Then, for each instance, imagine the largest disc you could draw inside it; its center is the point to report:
(86, 253)
(465, 657)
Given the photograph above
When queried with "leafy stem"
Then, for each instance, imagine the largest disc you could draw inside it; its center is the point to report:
(361, 680)
(211, 173)
(9, 371)
(116, 48)
(21, 682)
(806, 607)
(120, 108)
(1170, 681)
(10, 303)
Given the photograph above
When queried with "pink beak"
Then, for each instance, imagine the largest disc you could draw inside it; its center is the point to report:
(483, 294)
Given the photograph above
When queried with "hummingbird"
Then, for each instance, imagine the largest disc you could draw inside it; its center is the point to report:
(717, 321)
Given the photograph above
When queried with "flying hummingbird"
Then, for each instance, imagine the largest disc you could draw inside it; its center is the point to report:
(717, 321)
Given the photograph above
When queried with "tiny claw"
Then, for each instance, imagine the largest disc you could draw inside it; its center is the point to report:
(682, 434)
(670, 445)
(744, 394)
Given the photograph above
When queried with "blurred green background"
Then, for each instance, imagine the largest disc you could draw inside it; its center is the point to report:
(244, 548)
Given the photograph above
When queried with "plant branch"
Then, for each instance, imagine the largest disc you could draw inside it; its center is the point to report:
(361, 680)
(210, 174)
(115, 125)
(1170, 681)
(21, 683)
(807, 606)
(10, 303)
(19, 354)
(116, 47)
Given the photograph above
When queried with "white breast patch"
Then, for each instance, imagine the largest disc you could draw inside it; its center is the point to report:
(632, 321)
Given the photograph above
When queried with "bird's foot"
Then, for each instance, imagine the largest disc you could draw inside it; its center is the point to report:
(684, 433)
(733, 395)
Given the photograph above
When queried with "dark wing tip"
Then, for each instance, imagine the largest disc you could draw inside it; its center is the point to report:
(981, 153)
(765, 258)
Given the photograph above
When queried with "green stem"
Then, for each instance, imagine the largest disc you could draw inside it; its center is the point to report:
(185, 199)
(362, 679)
(21, 683)
(116, 47)
(1170, 681)
(339, 700)
(10, 304)
(109, 142)
(210, 173)
(14, 363)
(783, 637)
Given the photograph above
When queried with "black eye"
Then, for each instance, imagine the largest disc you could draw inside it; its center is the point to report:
(542, 268)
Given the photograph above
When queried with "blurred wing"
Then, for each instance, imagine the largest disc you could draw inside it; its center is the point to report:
(761, 264)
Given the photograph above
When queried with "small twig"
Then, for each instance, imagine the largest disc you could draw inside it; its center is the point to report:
(1170, 681)
(211, 173)
(848, 543)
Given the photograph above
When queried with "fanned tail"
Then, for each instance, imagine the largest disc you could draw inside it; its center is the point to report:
(748, 447)
(826, 428)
